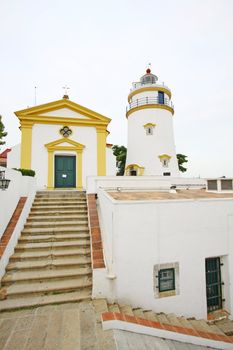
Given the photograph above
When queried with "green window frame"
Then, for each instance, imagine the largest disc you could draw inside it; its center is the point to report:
(166, 280)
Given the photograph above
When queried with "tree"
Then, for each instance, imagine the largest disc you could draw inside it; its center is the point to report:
(181, 160)
(120, 152)
(2, 133)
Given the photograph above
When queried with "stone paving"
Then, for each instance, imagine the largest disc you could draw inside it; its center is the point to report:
(60, 327)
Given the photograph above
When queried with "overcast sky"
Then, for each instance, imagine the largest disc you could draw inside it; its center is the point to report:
(98, 48)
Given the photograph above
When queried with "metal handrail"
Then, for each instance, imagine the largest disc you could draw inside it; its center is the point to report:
(149, 100)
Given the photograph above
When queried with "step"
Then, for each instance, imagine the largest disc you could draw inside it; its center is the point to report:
(60, 193)
(62, 203)
(52, 230)
(51, 245)
(37, 288)
(52, 218)
(52, 238)
(57, 199)
(162, 318)
(100, 306)
(174, 320)
(185, 323)
(126, 309)
(113, 308)
(58, 212)
(52, 274)
(225, 326)
(57, 224)
(50, 254)
(138, 312)
(200, 325)
(36, 301)
(150, 315)
(50, 262)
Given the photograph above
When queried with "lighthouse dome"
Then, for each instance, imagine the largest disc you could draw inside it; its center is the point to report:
(148, 78)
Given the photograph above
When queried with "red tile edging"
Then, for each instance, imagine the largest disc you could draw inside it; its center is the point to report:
(96, 240)
(116, 316)
(11, 225)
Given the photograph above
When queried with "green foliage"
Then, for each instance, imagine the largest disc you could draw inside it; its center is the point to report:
(120, 152)
(26, 172)
(181, 160)
(2, 133)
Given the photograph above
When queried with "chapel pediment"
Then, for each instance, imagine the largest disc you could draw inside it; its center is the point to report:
(60, 112)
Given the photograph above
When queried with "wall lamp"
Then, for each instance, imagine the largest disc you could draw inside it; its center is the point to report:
(4, 183)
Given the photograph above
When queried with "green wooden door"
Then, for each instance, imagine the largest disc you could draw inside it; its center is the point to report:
(65, 174)
(213, 284)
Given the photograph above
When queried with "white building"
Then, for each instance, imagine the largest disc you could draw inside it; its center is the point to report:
(166, 250)
(63, 143)
(151, 147)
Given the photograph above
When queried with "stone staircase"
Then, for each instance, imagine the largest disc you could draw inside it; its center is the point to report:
(51, 263)
(221, 326)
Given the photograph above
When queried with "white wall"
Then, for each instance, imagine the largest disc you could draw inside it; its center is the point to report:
(144, 149)
(110, 162)
(43, 134)
(141, 182)
(13, 157)
(20, 186)
(148, 233)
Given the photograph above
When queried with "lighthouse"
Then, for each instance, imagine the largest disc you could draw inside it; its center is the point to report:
(151, 145)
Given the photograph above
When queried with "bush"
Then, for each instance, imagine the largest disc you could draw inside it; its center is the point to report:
(26, 172)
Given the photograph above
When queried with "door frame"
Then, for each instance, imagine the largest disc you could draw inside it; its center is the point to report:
(60, 147)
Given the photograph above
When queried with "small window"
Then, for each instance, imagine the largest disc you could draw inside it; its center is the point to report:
(165, 163)
(166, 280)
(161, 97)
(166, 174)
(149, 131)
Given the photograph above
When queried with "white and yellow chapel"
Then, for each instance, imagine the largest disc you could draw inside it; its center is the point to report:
(63, 142)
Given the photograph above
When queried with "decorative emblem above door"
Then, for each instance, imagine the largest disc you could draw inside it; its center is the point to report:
(65, 131)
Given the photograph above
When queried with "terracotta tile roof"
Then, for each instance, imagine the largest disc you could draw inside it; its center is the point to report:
(4, 153)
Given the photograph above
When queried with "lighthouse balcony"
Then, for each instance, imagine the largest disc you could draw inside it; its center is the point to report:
(149, 101)
(139, 85)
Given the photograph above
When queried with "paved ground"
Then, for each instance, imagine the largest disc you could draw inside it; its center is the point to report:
(60, 327)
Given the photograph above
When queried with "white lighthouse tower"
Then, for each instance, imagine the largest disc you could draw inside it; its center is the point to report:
(151, 146)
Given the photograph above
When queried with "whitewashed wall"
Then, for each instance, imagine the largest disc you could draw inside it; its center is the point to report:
(20, 186)
(148, 233)
(141, 182)
(144, 149)
(43, 134)
(110, 162)
(13, 157)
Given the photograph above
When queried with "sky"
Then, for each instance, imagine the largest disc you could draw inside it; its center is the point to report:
(98, 48)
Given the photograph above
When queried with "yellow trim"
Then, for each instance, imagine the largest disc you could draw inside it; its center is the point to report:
(40, 119)
(101, 151)
(26, 145)
(64, 103)
(168, 108)
(149, 125)
(164, 156)
(149, 88)
(74, 146)
(133, 167)
(79, 170)
(50, 169)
